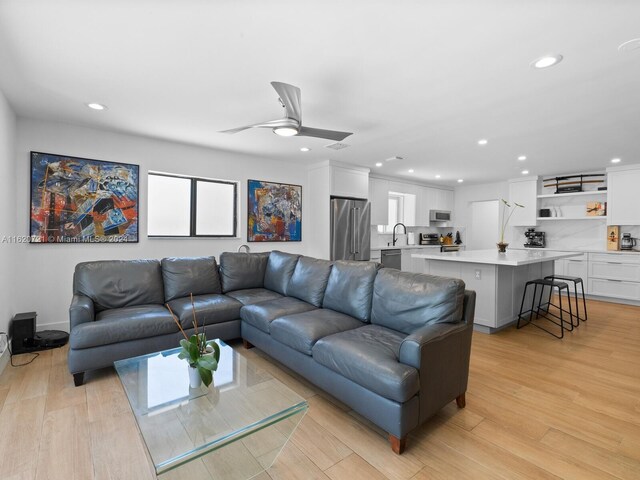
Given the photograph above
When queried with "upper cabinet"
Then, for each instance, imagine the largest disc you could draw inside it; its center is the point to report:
(524, 191)
(622, 195)
(349, 181)
(431, 198)
(379, 198)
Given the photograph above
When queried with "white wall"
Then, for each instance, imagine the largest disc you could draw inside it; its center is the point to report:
(466, 194)
(7, 211)
(43, 278)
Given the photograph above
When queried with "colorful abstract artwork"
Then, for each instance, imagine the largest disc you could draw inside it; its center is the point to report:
(275, 212)
(77, 200)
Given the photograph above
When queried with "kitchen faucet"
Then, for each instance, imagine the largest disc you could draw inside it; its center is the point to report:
(395, 239)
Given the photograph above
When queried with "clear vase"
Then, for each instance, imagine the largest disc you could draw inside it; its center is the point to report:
(194, 377)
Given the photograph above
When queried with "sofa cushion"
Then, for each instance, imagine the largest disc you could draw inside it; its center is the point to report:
(368, 356)
(350, 288)
(309, 280)
(183, 276)
(251, 296)
(262, 314)
(302, 330)
(240, 271)
(122, 324)
(407, 301)
(280, 267)
(119, 283)
(210, 309)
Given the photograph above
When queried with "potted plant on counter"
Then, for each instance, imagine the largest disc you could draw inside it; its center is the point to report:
(201, 355)
(506, 207)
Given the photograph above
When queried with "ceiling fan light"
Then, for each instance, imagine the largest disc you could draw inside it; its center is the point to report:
(285, 131)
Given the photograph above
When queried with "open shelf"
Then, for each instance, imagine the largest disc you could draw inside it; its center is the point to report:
(601, 217)
(572, 194)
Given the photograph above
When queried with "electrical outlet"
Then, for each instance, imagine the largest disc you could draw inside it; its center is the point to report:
(478, 274)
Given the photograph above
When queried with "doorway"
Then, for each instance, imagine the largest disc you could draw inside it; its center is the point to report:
(485, 225)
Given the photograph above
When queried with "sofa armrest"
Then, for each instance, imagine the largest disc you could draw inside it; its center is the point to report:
(80, 311)
(441, 353)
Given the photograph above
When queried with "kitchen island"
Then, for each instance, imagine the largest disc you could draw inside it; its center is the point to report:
(497, 278)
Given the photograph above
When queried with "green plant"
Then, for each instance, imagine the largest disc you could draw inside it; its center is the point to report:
(196, 350)
(505, 218)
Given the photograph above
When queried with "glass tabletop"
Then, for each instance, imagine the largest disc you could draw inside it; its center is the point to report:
(180, 424)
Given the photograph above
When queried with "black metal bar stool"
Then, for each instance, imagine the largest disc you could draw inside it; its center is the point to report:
(576, 281)
(546, 314)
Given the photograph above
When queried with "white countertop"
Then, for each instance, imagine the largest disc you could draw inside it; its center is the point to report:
(512, 258)
(581, 250)
(405, 247)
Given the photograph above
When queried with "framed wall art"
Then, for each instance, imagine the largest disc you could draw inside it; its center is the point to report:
(79, 200)
(274, 211)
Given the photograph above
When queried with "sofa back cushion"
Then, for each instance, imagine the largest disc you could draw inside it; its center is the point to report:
(309, 280)
(183, 276)
(279, 270)
(239, 271)
(350, 288)
(406, 301)
(119, 283)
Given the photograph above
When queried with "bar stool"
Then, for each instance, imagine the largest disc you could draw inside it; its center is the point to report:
(576, 281)
(544, 282)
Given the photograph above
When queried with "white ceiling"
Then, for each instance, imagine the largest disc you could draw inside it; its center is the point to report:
(420, 79)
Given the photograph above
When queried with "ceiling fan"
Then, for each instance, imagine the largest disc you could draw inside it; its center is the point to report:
(291, 124)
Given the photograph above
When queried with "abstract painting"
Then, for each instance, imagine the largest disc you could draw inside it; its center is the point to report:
(78, 200)
(275, 212)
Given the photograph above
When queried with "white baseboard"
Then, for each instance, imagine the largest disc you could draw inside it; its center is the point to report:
(4, 360)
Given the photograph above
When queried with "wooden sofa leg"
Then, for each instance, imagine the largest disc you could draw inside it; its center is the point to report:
(78, 379)
(461, 401)
(397, 444)
(246, 344)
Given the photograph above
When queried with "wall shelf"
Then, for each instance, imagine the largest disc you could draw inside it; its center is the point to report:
(600, 217)
(572, 194)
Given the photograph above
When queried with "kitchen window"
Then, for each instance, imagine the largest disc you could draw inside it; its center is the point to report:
(401, 209)
(181, 206)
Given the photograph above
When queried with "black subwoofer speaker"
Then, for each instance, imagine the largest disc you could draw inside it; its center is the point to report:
(22, 332)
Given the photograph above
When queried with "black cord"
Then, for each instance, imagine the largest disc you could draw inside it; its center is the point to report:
(35, 355)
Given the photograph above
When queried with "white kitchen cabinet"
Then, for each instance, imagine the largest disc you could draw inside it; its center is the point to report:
(523, 191)
(622, 195)
(614, 275)
(406, 260)
(349, 182)
(379, 198)
(430, 198)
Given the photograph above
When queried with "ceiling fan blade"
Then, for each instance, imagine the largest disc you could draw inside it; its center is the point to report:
(282, 122)
(319, 133)
(290, 96)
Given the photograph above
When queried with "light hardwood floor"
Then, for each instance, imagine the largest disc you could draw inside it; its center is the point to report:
(537, 408)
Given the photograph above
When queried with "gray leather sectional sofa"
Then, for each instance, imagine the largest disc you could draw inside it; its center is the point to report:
(392, 345)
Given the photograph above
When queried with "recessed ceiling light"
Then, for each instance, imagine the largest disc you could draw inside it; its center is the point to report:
(629, 45)
(546, 61)
(615, 160)
(411, 170)
(460, 180)
(525, 172)
(522, 157)
(483, 141)
(285, 131)
(96, 106)
(305, 149)
(379, 164)
(437, 176)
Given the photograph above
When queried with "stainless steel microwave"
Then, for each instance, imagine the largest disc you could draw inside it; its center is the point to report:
(439, 216)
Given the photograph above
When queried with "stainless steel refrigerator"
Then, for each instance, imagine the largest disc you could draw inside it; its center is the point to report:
(350, 229)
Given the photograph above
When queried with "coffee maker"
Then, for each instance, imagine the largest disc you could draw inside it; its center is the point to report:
(627, 242)
(534, 239)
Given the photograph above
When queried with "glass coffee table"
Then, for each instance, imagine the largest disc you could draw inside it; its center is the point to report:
(234, 429)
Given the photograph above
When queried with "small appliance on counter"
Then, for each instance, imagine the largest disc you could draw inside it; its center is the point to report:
(429, 239)
(534, 239)
(627, 242)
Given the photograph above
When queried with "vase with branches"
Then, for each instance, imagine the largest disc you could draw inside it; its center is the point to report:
(507, 211)
(201, 355)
